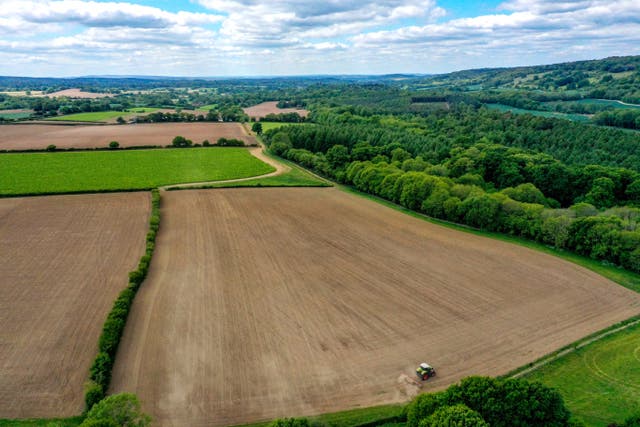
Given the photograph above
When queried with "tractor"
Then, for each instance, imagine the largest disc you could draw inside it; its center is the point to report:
(425, 371)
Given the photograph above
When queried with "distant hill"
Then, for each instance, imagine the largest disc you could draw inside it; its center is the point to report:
(611, 78)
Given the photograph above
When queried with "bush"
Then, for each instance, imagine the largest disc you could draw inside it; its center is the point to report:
(51, 147)
(114, 144)
(100, 372)
(290, 422)
(423, 406)
(224, 142)
(122, 409)
(454, 416)
(181, 141)
(93, 393)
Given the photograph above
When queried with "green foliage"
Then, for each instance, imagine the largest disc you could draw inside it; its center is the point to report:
(230, 142)
(424, 405)
(93, 393)
(290, 422)
(51, 147)
(481, 401)
(122, 409)
(114, 144)
(454, 416)
(181, 141)
(257, 128)
(42, 173)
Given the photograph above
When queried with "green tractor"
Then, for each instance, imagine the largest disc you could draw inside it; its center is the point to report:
(425, 371)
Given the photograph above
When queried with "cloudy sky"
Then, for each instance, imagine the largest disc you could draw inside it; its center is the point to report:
(296, 37)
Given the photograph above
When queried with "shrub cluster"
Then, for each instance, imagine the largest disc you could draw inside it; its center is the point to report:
(482, 401)
(100, 372)
(230, 142)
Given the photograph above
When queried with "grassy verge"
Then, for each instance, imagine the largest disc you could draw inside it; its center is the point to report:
(43, 422)
(599, 381)
(122, 170)
(374, 416)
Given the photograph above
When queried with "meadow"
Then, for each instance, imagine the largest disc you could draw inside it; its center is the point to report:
(100, 116)
(599, 382)
(70, 172)
(508, 108)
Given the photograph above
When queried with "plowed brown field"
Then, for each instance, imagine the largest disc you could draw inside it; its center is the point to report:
(63, 261)
(263, 303)
(265, 108)
(28, 137)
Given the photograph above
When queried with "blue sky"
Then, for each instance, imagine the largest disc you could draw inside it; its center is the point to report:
(295, 37)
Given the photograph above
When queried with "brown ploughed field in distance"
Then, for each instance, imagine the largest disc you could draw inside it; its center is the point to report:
(39, 136)
(264, 303)
(265, 108)
(63, 262)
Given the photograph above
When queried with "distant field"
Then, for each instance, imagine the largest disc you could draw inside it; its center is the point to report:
(609, 103)
(601, 382)
(97, 116)
(77, 93)
(63, 261)
(102, 116)
(15, 114)
(508, 108)
(38, 173)
(208, 107)
(265, 108)
(39, 136)
(275, 125)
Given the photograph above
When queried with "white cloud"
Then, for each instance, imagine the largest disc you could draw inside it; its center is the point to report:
(77, 37)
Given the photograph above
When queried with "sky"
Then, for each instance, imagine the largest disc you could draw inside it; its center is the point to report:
(198, 38)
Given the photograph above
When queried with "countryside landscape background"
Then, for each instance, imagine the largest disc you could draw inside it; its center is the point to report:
(387, 184)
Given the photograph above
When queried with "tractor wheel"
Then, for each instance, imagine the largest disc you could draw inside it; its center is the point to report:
(425, 377)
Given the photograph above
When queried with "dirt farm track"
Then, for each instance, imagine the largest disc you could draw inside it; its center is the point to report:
(263, 303)
(39, 136)
(63, 261)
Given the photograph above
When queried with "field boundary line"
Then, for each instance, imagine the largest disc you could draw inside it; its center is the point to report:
(571, 348)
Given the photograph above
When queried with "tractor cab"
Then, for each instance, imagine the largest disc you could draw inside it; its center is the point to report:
(425, 371)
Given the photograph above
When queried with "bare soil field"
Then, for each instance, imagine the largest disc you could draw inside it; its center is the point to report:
(263, 303)
(39, 136)
(265, 108)
(77, 93)
(63, 261)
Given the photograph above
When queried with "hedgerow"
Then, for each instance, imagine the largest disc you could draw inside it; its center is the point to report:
(113, 328)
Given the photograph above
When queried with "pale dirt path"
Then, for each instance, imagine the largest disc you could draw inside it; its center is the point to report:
(265, 303)
(257, 152)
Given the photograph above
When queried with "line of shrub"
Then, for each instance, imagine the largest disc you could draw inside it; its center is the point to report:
(100, 372)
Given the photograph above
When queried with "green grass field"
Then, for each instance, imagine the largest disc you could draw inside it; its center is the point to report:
(100, 116)
(600, 382)
(14, 116)
(572, 117)
(275, 125)
(608, 103)
(208, 107)
(87, 171)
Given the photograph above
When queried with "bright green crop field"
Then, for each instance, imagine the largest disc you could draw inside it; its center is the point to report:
(600, 382)
(92, 171)
(100, 116)
(573, 117)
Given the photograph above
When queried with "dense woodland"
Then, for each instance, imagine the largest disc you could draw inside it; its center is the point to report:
(571, 186)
